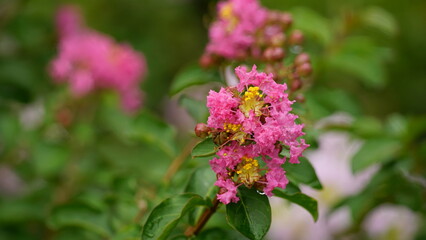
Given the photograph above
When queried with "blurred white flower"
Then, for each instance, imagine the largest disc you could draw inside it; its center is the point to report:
(332, 164)
(391, 222)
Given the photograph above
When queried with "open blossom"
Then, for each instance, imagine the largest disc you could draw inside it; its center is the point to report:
(89, 60)
(251, 123)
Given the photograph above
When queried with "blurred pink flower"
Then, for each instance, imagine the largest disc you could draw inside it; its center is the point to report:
(233, 32)
(89, 60)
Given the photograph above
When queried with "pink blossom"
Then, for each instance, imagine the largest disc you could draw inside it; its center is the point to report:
(89, 60)
(230, 194)
(233, 32)
(249, 121)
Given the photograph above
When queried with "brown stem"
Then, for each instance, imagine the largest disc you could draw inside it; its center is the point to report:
(178, 161)
(194, 230)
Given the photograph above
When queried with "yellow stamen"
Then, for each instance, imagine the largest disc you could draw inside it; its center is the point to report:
(248, 171)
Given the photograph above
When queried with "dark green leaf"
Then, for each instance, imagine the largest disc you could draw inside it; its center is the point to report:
(374, 151)
(219, 233)
(300, 199)
(190, 76)
(201, 182)
(251, 216)
(204, 148)
(302, 173)
(164, 218)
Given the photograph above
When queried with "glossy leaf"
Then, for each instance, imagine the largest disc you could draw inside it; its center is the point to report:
(190, 76)
(301, 199)
(164, 218)
(302, 173)
(374, 151)
(251, 216)
(204, 148)
(201, 182)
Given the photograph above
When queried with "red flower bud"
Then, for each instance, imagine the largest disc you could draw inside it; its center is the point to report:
(273, 54)
(301, 59)
(286, 20)
(202, 130)
(296, 37)
(206, 61)
(304, 70)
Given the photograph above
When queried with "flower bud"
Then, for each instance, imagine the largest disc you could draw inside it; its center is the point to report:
(286, 20)
(304, 70)
(65, 117)
(274, 16)
(278, 39)
(301, 59)
(296, 84)
(206, 61)
(300, 98)
(273, 54)
(202, 130)
(296, 37)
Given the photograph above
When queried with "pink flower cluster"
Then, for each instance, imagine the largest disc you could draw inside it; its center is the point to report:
(249, 122)
(88, 60)
(233, 32)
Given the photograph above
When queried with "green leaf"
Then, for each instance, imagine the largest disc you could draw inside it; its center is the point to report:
(201, 182)
(374, 151)
(301, 199)
(197, 109)
(302, 173)
(164, 218)
(154, 131)
(323, 102)
(360, 56)
(204, 148)
(311, 23)
(251, 216)
(190, 76)
(79, 216)
(49, 159)
(380, 19)
(219, 233)
(367, 126)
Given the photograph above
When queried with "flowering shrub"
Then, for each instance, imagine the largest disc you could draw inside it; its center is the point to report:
(74, 165)
(89, 60)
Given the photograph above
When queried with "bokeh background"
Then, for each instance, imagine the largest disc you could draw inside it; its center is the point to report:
(83, 169)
